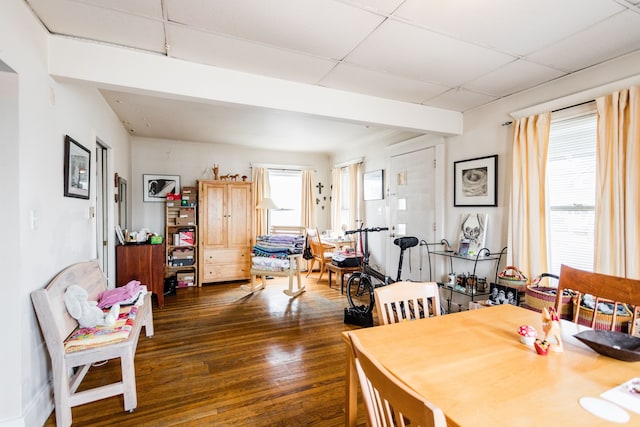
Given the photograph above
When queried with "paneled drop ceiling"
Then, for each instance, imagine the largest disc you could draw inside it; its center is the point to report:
(450, 54)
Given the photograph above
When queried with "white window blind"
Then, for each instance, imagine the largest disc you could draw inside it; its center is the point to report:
(571, 184)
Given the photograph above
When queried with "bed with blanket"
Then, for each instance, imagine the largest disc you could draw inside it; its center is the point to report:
(276, 255)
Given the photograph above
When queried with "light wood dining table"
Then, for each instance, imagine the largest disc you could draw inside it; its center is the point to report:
(473, 366)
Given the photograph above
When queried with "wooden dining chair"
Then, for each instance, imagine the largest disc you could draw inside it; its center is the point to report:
(388, 401)
(322, 252)
(406, 301)
(618, 291)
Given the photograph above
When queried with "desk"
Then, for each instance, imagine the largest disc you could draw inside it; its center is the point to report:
(143, 262)
(472, 365)
(340, 272)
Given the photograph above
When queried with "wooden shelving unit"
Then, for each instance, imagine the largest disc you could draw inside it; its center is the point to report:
(181, 243)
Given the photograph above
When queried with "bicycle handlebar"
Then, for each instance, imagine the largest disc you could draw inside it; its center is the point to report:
(360, 230)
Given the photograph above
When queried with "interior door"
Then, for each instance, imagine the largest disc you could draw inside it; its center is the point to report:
(412, 206)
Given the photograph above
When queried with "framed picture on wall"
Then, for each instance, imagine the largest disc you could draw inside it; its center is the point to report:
(77, 169)
(373, 184)
(156, 187)
(475, 182)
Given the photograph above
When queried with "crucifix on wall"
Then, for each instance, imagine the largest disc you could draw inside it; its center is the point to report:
(319, 186)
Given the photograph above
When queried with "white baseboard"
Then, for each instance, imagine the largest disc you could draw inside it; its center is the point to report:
(39, 409)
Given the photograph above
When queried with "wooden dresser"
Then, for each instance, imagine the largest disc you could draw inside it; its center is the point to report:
(142, 262)
(225, 228)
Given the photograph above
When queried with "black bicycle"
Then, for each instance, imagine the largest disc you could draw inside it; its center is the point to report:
(362, 283)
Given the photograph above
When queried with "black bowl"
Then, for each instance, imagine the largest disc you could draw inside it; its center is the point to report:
(618, 345)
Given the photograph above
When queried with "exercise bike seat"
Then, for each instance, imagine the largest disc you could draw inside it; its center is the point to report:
(406, 242)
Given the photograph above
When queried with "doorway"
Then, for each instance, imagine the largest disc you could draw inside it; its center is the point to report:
(412, 188)
(102, 206)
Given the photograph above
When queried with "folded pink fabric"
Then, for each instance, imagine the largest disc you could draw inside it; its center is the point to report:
(119, 295)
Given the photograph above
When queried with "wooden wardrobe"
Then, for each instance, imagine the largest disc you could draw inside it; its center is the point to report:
(225, 228)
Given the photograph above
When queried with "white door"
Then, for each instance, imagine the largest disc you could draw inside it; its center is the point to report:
(412, 207)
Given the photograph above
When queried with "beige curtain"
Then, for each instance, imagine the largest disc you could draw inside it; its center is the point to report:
(260, 178)
(308, 218)
(527, 235)
(617, 230)
(354, 194)
(336, 200)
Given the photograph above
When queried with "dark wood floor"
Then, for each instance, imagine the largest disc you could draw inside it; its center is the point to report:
(220, 357)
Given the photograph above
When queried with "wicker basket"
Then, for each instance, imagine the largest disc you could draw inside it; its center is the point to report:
(511, 276)
(538, 297)
(603, 321)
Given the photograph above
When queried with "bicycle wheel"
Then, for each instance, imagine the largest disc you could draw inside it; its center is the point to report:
(360, 292)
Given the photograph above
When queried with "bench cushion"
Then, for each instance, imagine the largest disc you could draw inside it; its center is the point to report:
(84, 338)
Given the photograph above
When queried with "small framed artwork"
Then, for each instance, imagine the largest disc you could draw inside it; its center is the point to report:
(475, 182)
(373, 184)
(156, 187)
(501, 294)
(77, 169)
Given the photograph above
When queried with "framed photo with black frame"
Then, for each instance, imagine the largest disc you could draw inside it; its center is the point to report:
(156, 187)
(501, 294)
(77, 169)
(475, 182)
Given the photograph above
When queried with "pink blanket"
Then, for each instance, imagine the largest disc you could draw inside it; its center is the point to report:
(127, 294)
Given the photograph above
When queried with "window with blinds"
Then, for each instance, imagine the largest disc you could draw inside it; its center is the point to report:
(286, 193)
(345, 190)
(571, 186)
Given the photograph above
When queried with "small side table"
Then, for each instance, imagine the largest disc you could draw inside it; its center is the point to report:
(340, 272)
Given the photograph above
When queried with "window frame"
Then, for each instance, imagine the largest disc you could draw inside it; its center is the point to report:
(583, 116)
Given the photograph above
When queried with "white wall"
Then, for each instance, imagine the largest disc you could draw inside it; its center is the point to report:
(61, 232)
(193, 161)
(485, 135)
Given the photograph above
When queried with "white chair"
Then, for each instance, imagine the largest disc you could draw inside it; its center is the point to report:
(406, 301)
(388, 401)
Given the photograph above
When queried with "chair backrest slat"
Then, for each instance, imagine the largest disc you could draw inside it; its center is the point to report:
(388, 401)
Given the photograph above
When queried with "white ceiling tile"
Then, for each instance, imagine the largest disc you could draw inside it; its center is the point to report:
(594, 45)
(225, 52)
(513, 77)
(422, 55)
(380, 6)
(355, 79)
(459, 100)
(482, 49)
(91, 22)
(325, 28)
(513, 26)
(149, 8)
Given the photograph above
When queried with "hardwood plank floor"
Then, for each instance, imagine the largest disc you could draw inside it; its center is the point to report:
(221, 357)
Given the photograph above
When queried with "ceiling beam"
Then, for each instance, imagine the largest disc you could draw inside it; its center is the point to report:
(129, 70)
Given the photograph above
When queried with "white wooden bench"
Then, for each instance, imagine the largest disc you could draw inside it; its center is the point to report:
(56, 325)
